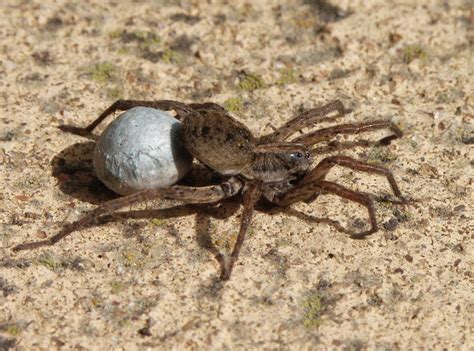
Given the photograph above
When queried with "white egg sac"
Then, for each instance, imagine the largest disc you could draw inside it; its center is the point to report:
(141, 149)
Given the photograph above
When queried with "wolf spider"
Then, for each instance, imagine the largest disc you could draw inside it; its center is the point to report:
(272, 167)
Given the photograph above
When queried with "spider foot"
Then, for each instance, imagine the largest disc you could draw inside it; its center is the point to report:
(227, 265)
(403, 201)
(225, 272)
(346, 111)
(387, 140)
(31, 245)
(362, 235)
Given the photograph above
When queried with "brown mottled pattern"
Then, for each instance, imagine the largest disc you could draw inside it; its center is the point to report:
(213, 137)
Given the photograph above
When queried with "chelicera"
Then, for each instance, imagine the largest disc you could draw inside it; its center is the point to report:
(275, 167)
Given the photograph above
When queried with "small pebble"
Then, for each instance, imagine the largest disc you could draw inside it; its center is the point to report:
(391, 224)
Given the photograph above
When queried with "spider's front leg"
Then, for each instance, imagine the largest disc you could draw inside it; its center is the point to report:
(310, 191)
(313, 185)
(307, 119)
(250, 197)
(208, 194)
(326, 134)
(123, 105)
(323, 168)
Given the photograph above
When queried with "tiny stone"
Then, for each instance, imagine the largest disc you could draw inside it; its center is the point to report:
(141, 149)
(41, 234)
(391, 224)
(467, 139)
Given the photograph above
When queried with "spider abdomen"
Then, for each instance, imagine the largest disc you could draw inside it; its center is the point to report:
(211, 137)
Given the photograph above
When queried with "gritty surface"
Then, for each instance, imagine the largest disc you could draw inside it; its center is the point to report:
(148, 279)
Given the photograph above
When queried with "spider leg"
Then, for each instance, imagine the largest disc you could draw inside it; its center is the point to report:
(185, 194)
(350, 128)
(207, 106)
(123, 105)
(313, 185)
(323, 167)
(335, 145)
(310, 191)
(307, 119)
(250, 197)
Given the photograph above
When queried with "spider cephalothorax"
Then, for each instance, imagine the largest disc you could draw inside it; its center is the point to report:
(273, 166)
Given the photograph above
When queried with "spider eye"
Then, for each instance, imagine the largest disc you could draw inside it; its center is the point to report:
(297, 155)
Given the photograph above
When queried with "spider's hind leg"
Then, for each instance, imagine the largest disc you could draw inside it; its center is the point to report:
(208, 194)
(123, 105)
(207, 106)
(250, 197)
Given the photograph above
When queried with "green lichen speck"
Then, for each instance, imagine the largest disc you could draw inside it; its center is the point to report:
(158, 221)
(117, 287)
(172, 56)
(131, 257)
(115, 93)
(402, 215)
(313, 310)
(49, 262)
(103, 72)
(146, 38)
(414, 51)
(380, 155)
(14, 330)
(287, 76)
(251, 82)
(234, 104)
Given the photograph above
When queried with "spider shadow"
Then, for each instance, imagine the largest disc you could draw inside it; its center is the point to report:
(74, 172)
(271, 209)
(204, 234)
(203, 212)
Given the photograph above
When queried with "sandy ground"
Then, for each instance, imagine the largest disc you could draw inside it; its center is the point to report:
(147, 279)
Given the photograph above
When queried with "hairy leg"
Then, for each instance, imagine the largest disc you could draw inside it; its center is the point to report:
(310, 191)
(123, 105)
(207, 106)
(323, 167)
(206, 194)
(250, 197)
(350, 128)
(335, 145)
(307, 119)
(314, 185)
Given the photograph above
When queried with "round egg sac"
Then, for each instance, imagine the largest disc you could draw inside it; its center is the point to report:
(141, 149)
